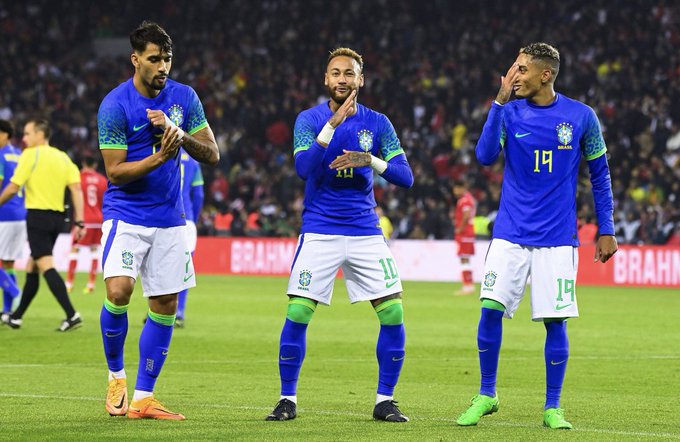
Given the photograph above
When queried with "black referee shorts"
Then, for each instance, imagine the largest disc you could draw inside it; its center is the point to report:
(43, 228)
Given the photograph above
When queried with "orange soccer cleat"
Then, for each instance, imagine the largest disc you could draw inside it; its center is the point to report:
(117, 397)
(151, 408)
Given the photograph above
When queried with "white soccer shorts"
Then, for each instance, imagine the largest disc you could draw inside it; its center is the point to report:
(553, 278)
(366, 261)
(160, 255)
(192, 235)
(13, 237)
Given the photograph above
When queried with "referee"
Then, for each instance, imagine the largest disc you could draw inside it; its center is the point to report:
(45, 172)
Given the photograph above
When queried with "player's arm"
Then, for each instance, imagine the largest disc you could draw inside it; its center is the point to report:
(78, 211)
(201, 144)
(465, 219)
(24, 169)
(8, 192)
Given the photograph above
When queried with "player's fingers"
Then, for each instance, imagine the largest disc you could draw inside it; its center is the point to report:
(597, 254)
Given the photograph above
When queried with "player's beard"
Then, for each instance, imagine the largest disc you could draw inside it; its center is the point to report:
(156, 84)
(339, 99)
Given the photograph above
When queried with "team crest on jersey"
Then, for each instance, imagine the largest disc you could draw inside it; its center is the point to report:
(176, 114)
(565, 133)
(489, 280)
(127, 259)
(305, 279)
(365, 139)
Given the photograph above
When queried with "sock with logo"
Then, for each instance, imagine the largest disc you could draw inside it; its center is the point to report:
(390, 347)
(489, 336)
(8, 295)
(154, 343)
(31, 286)
(293, 342)
(556, 355)
(9, 285)
(72, 264)
(58, 289)
(113, 322)
(181, 303)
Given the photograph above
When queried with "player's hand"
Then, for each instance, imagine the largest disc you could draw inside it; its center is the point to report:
(351, 158)
(349, 107)
(605, 248)
(170, 143)
(79, 232)
(507, 81)
(157, 118)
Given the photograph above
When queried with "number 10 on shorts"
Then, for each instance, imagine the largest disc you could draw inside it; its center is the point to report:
(389, 268)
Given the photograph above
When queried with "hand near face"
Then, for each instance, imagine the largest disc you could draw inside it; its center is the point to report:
(349, 107)
(507, 82)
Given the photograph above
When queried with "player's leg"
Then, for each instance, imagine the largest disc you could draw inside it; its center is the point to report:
(506, 270)
(12, 238)
(29, 291)
(72, 264)
(94, 266)
(553, 300)
(292, 349)
(10, 293)
(58, 288)
(315, 265)
(191, 237)
(466, 276)
(166, 269)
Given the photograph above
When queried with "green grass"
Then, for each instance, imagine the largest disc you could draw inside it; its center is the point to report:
(622, 382)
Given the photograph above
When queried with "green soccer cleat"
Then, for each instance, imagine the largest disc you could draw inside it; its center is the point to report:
(480, 405)
(554, 418)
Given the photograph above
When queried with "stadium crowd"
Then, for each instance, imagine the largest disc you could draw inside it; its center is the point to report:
(432, 66)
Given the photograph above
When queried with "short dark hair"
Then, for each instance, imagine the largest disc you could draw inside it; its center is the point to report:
(7, 127)
(89, 161)
(546, 53)
(150, 32)
(41, 125)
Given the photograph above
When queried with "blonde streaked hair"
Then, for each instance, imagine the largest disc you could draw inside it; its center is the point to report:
(347, 52)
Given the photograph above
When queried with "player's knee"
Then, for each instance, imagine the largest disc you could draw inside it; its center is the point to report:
(390, 312)
(300, 309)
(493, 305)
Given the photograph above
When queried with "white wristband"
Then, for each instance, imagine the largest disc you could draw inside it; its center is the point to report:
(169, 123)
(326, 134)
(378, 165)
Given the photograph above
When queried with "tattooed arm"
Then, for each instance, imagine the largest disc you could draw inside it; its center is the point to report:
(202, 146)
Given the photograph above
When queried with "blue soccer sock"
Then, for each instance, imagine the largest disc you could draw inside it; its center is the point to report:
(390, 349)
(293, 344)
(181, 303)
(556, 356)
(489, 337)
(9, 285)
(113, 321)
(154, 343)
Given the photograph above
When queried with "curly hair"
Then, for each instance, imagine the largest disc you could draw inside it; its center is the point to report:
(150, 32)
(347, 52)
(544, 52)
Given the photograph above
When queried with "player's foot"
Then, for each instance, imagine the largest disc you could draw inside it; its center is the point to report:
(480, 405)
(465, 290)
(117, 397)
(179, 322)
(87, 290)
(284, 410)
(72, 323)
(389, 412)
(554, 418)
(151, 408)
(7, 319)
(69, 288)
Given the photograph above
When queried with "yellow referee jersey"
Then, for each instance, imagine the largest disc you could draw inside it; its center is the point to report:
(45, 172)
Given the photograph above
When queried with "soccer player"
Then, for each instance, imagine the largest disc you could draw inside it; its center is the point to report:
(465, 233)
(192, 195)
(44, 172)
(142, 124)
(12, 221)
(335, 148)
(543, 135)
(94, 185)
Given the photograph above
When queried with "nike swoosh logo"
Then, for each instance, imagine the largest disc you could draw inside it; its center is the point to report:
(557, 363)
(121, 403)
(560, 307)
(482, 350)
(186, 278)
(519, 135)
(164, 352)
(113, 335)
(287, 358)
(136, 128)
(397, 359)
(390, 284)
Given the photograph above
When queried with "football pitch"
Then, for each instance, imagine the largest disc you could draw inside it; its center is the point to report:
(622, 382)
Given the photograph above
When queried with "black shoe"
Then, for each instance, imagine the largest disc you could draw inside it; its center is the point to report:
(284, 410)
(388, 411)
(179, 322)
(70, 324)
(7, 319)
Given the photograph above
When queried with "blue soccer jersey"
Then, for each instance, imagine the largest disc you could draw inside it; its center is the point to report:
(14, 209)
(192, 178)
(153, 200)
(342, 202)
(543, 146)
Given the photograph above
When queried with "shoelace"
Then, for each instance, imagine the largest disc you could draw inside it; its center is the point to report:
(118, 392)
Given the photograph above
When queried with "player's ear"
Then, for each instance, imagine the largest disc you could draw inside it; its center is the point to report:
(546, 76)
(361, 80)
(325, 79)
(135, 60)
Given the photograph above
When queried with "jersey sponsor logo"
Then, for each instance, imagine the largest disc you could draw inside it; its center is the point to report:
(304, 280)
(176, 114)
(127, 258)
(140, 127)
(562, 307)
(489, 280)
(522, 135)
(365, 139)
(565, 133)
